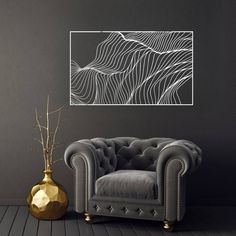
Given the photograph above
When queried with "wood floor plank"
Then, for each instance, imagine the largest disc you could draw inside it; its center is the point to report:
(18, 226)
(138, 228)
(3, 209)
(58, 227)
(71, 224)
(154, 228)
(228, 217)
(190, 225)
(203, 223)
(199, 221)
(31, 226)
(221, 221)
(99, 229)
(8, 220)
(45, 228)
(85, 228)
(126, 229)
(113, 229)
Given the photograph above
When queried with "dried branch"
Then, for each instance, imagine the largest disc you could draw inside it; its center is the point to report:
(44, 127)
(55, 133)
(59, 144)
(41, 134)
(39, 126)
(48, 137)
(61, 159)
(47, 125)
(59, 109)
(38, 141)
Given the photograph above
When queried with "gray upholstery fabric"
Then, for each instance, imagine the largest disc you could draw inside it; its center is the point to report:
(137, 184)
(122, 153)
(186, 152)
(126, 207)
(171, 161)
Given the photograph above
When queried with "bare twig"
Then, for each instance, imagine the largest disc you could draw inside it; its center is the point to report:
(47, 125)
(48, 137)
(44, 127)
(41, 134)
(59, 144)
(38, 141)
(39, 126)
(60, 108)
(55, 133)
(61, 159)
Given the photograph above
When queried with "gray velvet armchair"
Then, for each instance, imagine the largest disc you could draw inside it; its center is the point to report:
(132, 177)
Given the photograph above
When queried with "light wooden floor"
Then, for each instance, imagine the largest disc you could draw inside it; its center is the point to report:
(199, 221)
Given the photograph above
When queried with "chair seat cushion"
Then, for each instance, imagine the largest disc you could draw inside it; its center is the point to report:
(137, 184)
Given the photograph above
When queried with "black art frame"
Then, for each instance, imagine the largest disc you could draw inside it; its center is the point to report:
(132, 68)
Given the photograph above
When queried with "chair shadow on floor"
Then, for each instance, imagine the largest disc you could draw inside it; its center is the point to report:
(198, 221)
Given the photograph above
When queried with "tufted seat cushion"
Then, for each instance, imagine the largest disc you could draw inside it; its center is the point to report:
(137, 184)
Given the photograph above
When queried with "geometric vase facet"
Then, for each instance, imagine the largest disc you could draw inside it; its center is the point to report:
(47, 200)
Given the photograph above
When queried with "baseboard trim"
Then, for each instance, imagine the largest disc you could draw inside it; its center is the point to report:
(13, 201)
(19, 201)
(201, 202)
(214, 202)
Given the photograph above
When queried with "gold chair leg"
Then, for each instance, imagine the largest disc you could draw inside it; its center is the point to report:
(168, 226)
(88, 217)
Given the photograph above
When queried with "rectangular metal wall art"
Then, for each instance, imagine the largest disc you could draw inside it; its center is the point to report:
(131, 68)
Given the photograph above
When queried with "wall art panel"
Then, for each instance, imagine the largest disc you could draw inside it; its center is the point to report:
(131, 68)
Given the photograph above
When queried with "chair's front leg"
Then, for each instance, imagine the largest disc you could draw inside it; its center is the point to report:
(168, 226)
(88, 217)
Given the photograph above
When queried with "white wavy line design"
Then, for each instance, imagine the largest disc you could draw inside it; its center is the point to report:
(135, 68)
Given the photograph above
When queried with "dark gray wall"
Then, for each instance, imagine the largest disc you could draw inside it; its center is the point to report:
(34, 62)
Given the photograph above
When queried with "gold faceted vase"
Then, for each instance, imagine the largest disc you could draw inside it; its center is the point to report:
(47, 200)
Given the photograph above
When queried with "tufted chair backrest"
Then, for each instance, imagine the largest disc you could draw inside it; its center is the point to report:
(127, 153)
(141, 154)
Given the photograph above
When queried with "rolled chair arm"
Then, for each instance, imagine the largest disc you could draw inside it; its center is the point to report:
(79, 149)
(98, 153)
(185, 151)
(91, 159)
(82, 157)
(176, 160)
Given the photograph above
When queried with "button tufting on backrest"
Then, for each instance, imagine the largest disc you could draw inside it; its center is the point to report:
(154, 145)
(141, 154)
(105, 152)
(106, 156)
(139, 151)
(127, 153)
